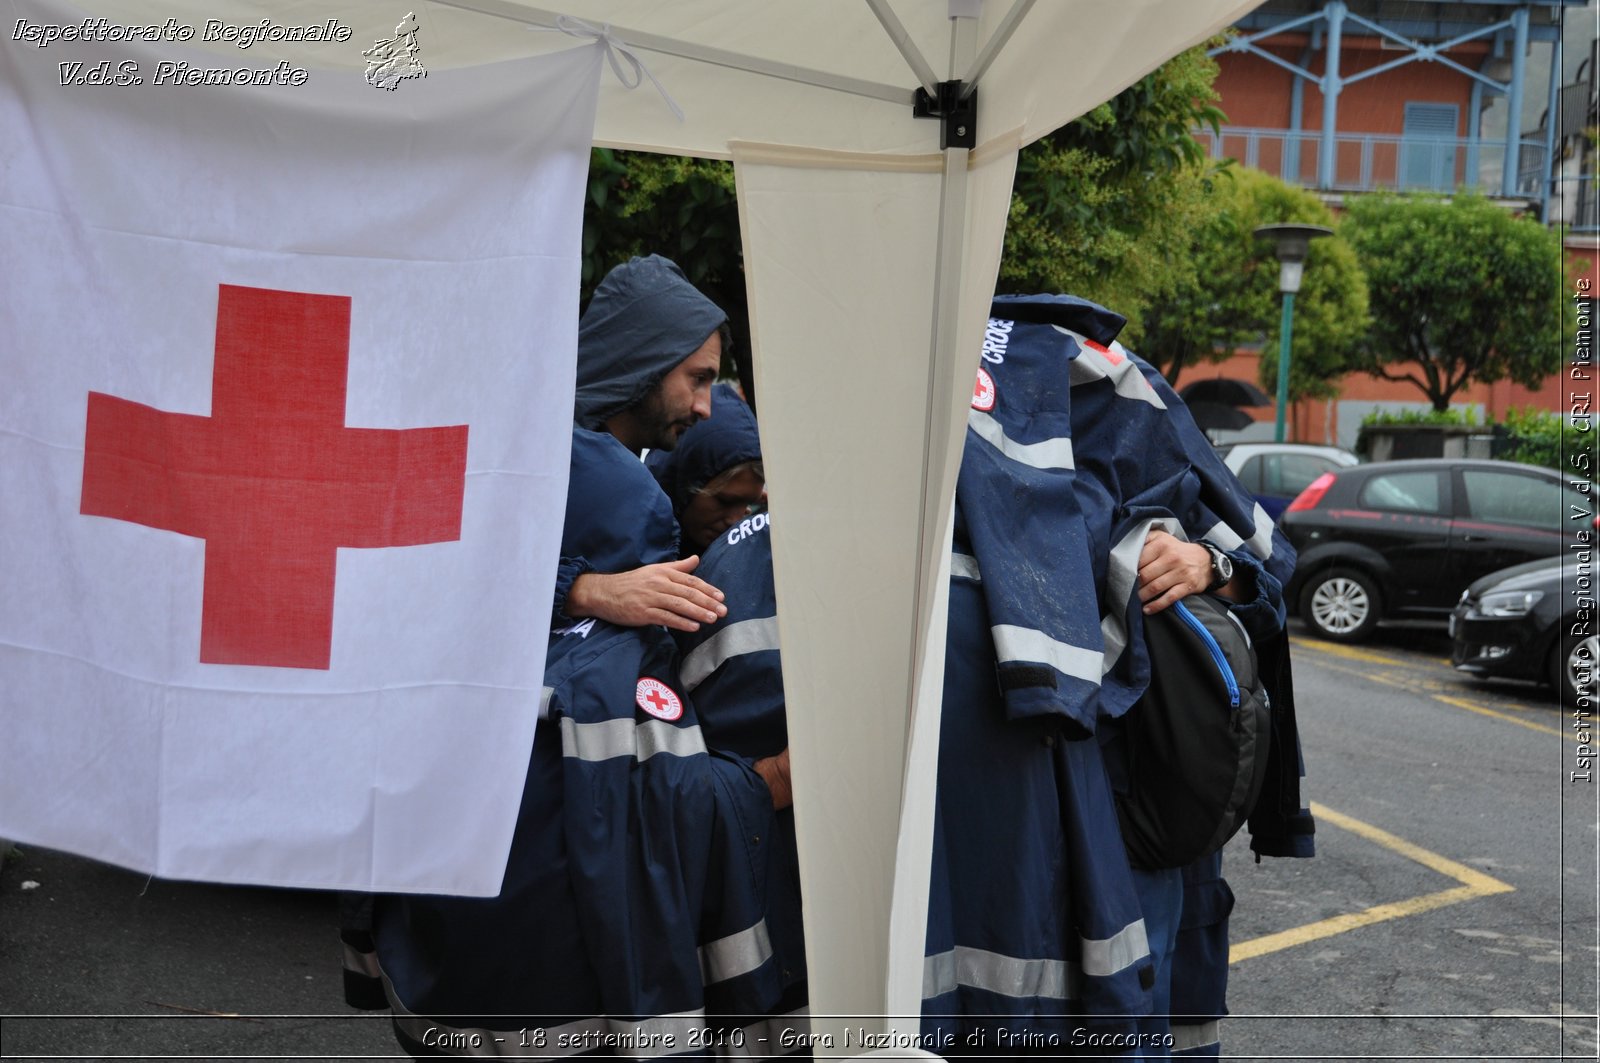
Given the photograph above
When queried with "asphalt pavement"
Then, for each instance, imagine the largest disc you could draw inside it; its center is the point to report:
(1450, 913)
(1451, 909)
(106, 962)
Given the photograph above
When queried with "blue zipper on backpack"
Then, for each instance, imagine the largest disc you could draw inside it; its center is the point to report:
(1216, 652)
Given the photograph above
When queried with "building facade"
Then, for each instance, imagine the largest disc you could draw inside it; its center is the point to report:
(1347, 97)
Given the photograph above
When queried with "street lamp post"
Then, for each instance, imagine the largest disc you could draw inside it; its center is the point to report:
(1291, 244)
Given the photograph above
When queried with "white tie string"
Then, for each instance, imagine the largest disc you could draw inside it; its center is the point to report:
(617, 53)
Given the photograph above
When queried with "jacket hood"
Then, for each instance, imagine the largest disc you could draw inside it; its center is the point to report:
(644, 318)
(1068, 311)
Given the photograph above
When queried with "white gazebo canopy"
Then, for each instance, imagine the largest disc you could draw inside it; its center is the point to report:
(872, 241)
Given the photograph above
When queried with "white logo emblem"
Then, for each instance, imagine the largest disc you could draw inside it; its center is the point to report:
(983, 392)
(658, 699)
(392, 61)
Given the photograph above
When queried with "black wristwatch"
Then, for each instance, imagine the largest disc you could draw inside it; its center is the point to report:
(1221, 565)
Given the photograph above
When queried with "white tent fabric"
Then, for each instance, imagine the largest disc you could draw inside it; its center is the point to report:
(866, 418)
(870, 258)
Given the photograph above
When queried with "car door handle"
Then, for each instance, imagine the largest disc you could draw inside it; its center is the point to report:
(1469, 538)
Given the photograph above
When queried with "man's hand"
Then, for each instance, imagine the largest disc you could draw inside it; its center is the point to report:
(775, 772)
(1171, 569)
(663, 594)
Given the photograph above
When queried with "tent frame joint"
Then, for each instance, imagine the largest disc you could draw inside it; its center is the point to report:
(958, 114)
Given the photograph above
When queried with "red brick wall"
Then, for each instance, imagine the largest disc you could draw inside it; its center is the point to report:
(1256, 94)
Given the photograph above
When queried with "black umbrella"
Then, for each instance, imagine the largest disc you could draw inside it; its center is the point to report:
(1219, 416)
(1226, 391)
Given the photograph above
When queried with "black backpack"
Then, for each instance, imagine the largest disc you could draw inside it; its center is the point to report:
(1196, 742)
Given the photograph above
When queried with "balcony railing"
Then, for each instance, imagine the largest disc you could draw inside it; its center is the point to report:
(1574, 202)
(1365, 162)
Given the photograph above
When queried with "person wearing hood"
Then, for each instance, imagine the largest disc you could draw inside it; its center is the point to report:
(632, 907)
(714, 478)
(716, 483)
(649, 347)
(717, 487)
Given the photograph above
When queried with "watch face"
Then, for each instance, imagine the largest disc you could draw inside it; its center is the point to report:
(1221, 567)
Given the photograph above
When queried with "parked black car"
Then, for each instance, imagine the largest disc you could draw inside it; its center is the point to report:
(1403, 539)
(1531, 621)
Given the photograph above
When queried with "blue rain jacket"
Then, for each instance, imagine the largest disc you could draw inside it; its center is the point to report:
(617, 518)
(1075, 449)
(632, 907)
(633, 897)
(732, 669)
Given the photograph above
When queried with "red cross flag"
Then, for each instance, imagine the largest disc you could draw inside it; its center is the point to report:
(287, 398)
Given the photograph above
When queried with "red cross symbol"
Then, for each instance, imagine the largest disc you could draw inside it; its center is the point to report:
(273, 481)
(658, 699)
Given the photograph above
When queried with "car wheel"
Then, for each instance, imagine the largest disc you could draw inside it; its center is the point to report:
(1341, 604)
(1572, 667)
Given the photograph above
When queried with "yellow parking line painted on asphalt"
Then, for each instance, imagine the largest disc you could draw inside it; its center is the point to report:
(1442, 864)
(1335, 649)
(1339, 649)
(1473, 884)
(1446, 699)
(1462, 703)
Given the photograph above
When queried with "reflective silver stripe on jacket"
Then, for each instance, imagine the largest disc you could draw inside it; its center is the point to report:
(1053, 453)
(1122, 576)
(1198, 1035)
(965, 566)
(1014, 977)
(747, 636)
(1125, 377)
(625, 738)
(1025, 644)
(1260, 541)
(1009, 976)
(1103, 957)
(544, 702)
(736, 954)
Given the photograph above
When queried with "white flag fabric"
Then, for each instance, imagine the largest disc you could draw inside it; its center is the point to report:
(284, 422)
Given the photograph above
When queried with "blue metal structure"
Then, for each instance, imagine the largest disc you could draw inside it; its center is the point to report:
(1425, 30)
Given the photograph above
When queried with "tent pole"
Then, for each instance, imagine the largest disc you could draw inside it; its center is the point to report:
(908, 914)
(992, 48)
(651, 42)
(902, 40)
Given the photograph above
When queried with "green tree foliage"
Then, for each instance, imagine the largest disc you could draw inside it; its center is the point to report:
(685, 209)
(1100, 204)
(1540, 437)
(1461, 291)
(1229, 296)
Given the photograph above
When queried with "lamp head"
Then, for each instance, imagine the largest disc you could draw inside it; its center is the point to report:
(1291, 243)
